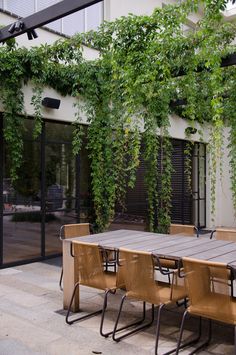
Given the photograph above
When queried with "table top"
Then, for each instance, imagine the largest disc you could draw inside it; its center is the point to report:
(166, 246)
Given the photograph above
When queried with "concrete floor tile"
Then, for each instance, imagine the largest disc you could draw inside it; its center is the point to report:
(34, 322)
(11, 346)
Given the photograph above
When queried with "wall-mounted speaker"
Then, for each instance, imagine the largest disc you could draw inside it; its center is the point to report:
(51, 103)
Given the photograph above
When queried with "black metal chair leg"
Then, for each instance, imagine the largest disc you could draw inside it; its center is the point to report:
(235, 340)
(169, 280)
(158, 326)
(203, 345)
(60, 282)
(190, 342)
(103, 314)
(137, 329)
(118, 317)
(80, 318)
(181, 331)
(116, 329)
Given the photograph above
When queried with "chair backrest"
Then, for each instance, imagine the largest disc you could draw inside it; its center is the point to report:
(74, 230)
(225, 234)
(91, 269)
(90, 265)
(208, 289)
(140, 277)
(187, 229)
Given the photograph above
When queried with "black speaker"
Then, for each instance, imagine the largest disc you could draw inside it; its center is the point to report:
(51, 103)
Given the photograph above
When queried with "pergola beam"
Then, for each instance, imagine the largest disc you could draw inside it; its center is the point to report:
(41, 18)
(225, 62)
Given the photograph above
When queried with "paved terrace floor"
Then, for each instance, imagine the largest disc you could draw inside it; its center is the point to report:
(32, 320)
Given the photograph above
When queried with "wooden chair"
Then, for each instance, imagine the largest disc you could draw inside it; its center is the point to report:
(141, 284)
(71, 231)
(209, 296)
(225, 234)
(190, 230)
(92, 274)
(185, 229)
(68, 231)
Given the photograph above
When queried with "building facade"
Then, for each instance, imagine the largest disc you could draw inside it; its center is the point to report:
(53, 186)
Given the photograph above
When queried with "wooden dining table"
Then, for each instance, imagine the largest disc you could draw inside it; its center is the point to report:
(173, 247)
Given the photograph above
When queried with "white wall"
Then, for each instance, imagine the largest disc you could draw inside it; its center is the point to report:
(115, 8)
(66, 110)
(225, 214)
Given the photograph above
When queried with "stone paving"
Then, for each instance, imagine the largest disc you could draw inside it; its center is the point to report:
(33, 323)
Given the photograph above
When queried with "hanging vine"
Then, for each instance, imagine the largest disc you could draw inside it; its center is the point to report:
(144, 63)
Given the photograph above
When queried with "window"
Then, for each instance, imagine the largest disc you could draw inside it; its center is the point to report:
(80, 21)
(22, 8)
(52, 189)
(188, 207)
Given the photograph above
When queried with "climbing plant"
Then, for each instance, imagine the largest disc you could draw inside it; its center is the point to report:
(144, 64)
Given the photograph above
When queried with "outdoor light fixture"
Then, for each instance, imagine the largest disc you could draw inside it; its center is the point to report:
(12, 28)
(190, 130)
(32, 34)
(16, 27)
(19, 25)
(51, 103)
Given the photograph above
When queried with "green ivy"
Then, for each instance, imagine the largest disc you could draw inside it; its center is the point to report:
(126, 95)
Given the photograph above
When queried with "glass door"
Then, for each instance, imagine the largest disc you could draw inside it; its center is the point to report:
(21, 206)
(61, 200)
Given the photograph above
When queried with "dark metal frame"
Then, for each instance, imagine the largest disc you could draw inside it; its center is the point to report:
(43, 142)
(201, 346)
(102, 311)
(41, 18)
(228, 61)
(197, 192)
(43, 188)
(183, 189)
(1, 189)
(138, 322)
(156, 261)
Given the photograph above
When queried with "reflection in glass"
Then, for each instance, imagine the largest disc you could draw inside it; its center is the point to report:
(21, 237)
(21, 204)
(35, 207)
(54, 221)
(60, 185)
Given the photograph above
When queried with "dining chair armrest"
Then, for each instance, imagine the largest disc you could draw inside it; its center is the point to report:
(71, 250)
(105, 253)
(118, 257)
(232, 273)
(156, 260)
(180, 270)
(200, 231)
(197, 231)
(61, 235)
(212, 233)
(92, 228)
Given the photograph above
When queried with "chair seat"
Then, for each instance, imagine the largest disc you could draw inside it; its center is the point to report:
(219, 308)
(108, 281)
(164, 294)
